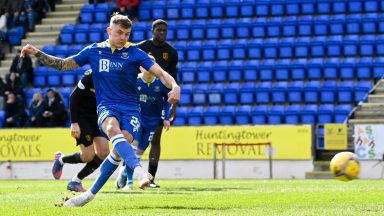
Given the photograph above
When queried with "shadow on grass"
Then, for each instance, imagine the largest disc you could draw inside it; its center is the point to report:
(179, 190)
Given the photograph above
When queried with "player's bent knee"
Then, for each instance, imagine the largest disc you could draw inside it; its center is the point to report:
(86, 158)
(103, 154)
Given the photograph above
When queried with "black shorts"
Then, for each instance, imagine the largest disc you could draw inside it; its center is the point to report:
(89, 130)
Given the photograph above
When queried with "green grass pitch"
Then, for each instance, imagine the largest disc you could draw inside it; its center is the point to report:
(201, 197)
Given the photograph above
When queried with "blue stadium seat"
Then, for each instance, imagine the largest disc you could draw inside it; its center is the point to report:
(215, 94)
(276, 114)
(239, 48)
(282, 69)
(266, 69)
(74, 49)
(187, 9)
(220, 71)
(195, 116)
(259, 27)
(364, 68)
(49, 49)
(325, 114)
(290, 26)
(86, 13)
(292, 7)
(369, 22)
(355, 6)
(188, 72)
(247, 8)
(61, 51)
(350, 45)
(302, 47)
(198, 94)
(181, 47)
(232, 8)
(263, 91)
(216, 8)
(339, 7)
(198, 29)
(204, 72)
(102, 12)
(226, 115)
(274, 27)
(298, 69)
(324, 6)
(213, 29)
(243, 27)
(224, 49)
(40, 75)
(328, 91)
(381, 24)
(371, 6)
(65, 93)
(277, 8)
(186, 95)
(81, 33)
(309, 114)
(2, 118)
(231, 93)
(292, 114)
(278, 93)
(286, 47)
(209, 50)
(202, 9)
(345, 91)
(182, 30)
(171, 35)
(95, 31)
(341, 112)
(378, 68)
(173, 9)
(347, 68)
(295, 91)
(321, 25)
(247, 93)
(228, 28)
(379, 43)
(308, 7)
(318, 47)
(270, 48)
(367, 45)
(254, 48)
(139, 32)
(242, 115)
(362, 89)
(54, 77)
(158, 9)
(235, 70)
(353, 24)
(315, 68)
(194, 50)
(262, 8)
(250, 70)
(258, 114)
(210, 115)
(311, 91)
(69, 78)
(182, 113)
(145, 10)
(331, 68)
(305, 25)
(66, 34)
(333, 45)
(337, 24)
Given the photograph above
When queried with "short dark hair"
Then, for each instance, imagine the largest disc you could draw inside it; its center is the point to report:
(121, 20)
(159, 22)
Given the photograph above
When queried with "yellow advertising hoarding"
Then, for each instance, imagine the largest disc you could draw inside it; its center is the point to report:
(183, 143)
(288, 142)
(335, 136)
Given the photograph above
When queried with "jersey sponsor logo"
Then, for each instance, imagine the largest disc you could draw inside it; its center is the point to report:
(143, 98)
(165, 56)
(105, 65)
(124, 55)
(157, 89)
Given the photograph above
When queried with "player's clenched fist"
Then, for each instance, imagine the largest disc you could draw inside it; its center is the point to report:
(174, 95)
(28, 50)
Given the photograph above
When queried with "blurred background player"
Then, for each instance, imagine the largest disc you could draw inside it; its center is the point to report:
(153, 96)
(166, 56)
(94, 147)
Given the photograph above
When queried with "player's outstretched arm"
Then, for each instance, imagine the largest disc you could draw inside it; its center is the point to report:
(168, 81)
(51, 61)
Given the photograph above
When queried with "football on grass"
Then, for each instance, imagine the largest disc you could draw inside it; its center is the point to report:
(345, 166)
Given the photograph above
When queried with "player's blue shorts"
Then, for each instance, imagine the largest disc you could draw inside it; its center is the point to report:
(146, 136)
(128, 117)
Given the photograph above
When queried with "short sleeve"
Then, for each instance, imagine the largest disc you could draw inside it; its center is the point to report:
(81, 58)
(144, 59)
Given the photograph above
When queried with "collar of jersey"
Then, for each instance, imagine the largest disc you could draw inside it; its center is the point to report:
(107, 44)
(141, 77)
